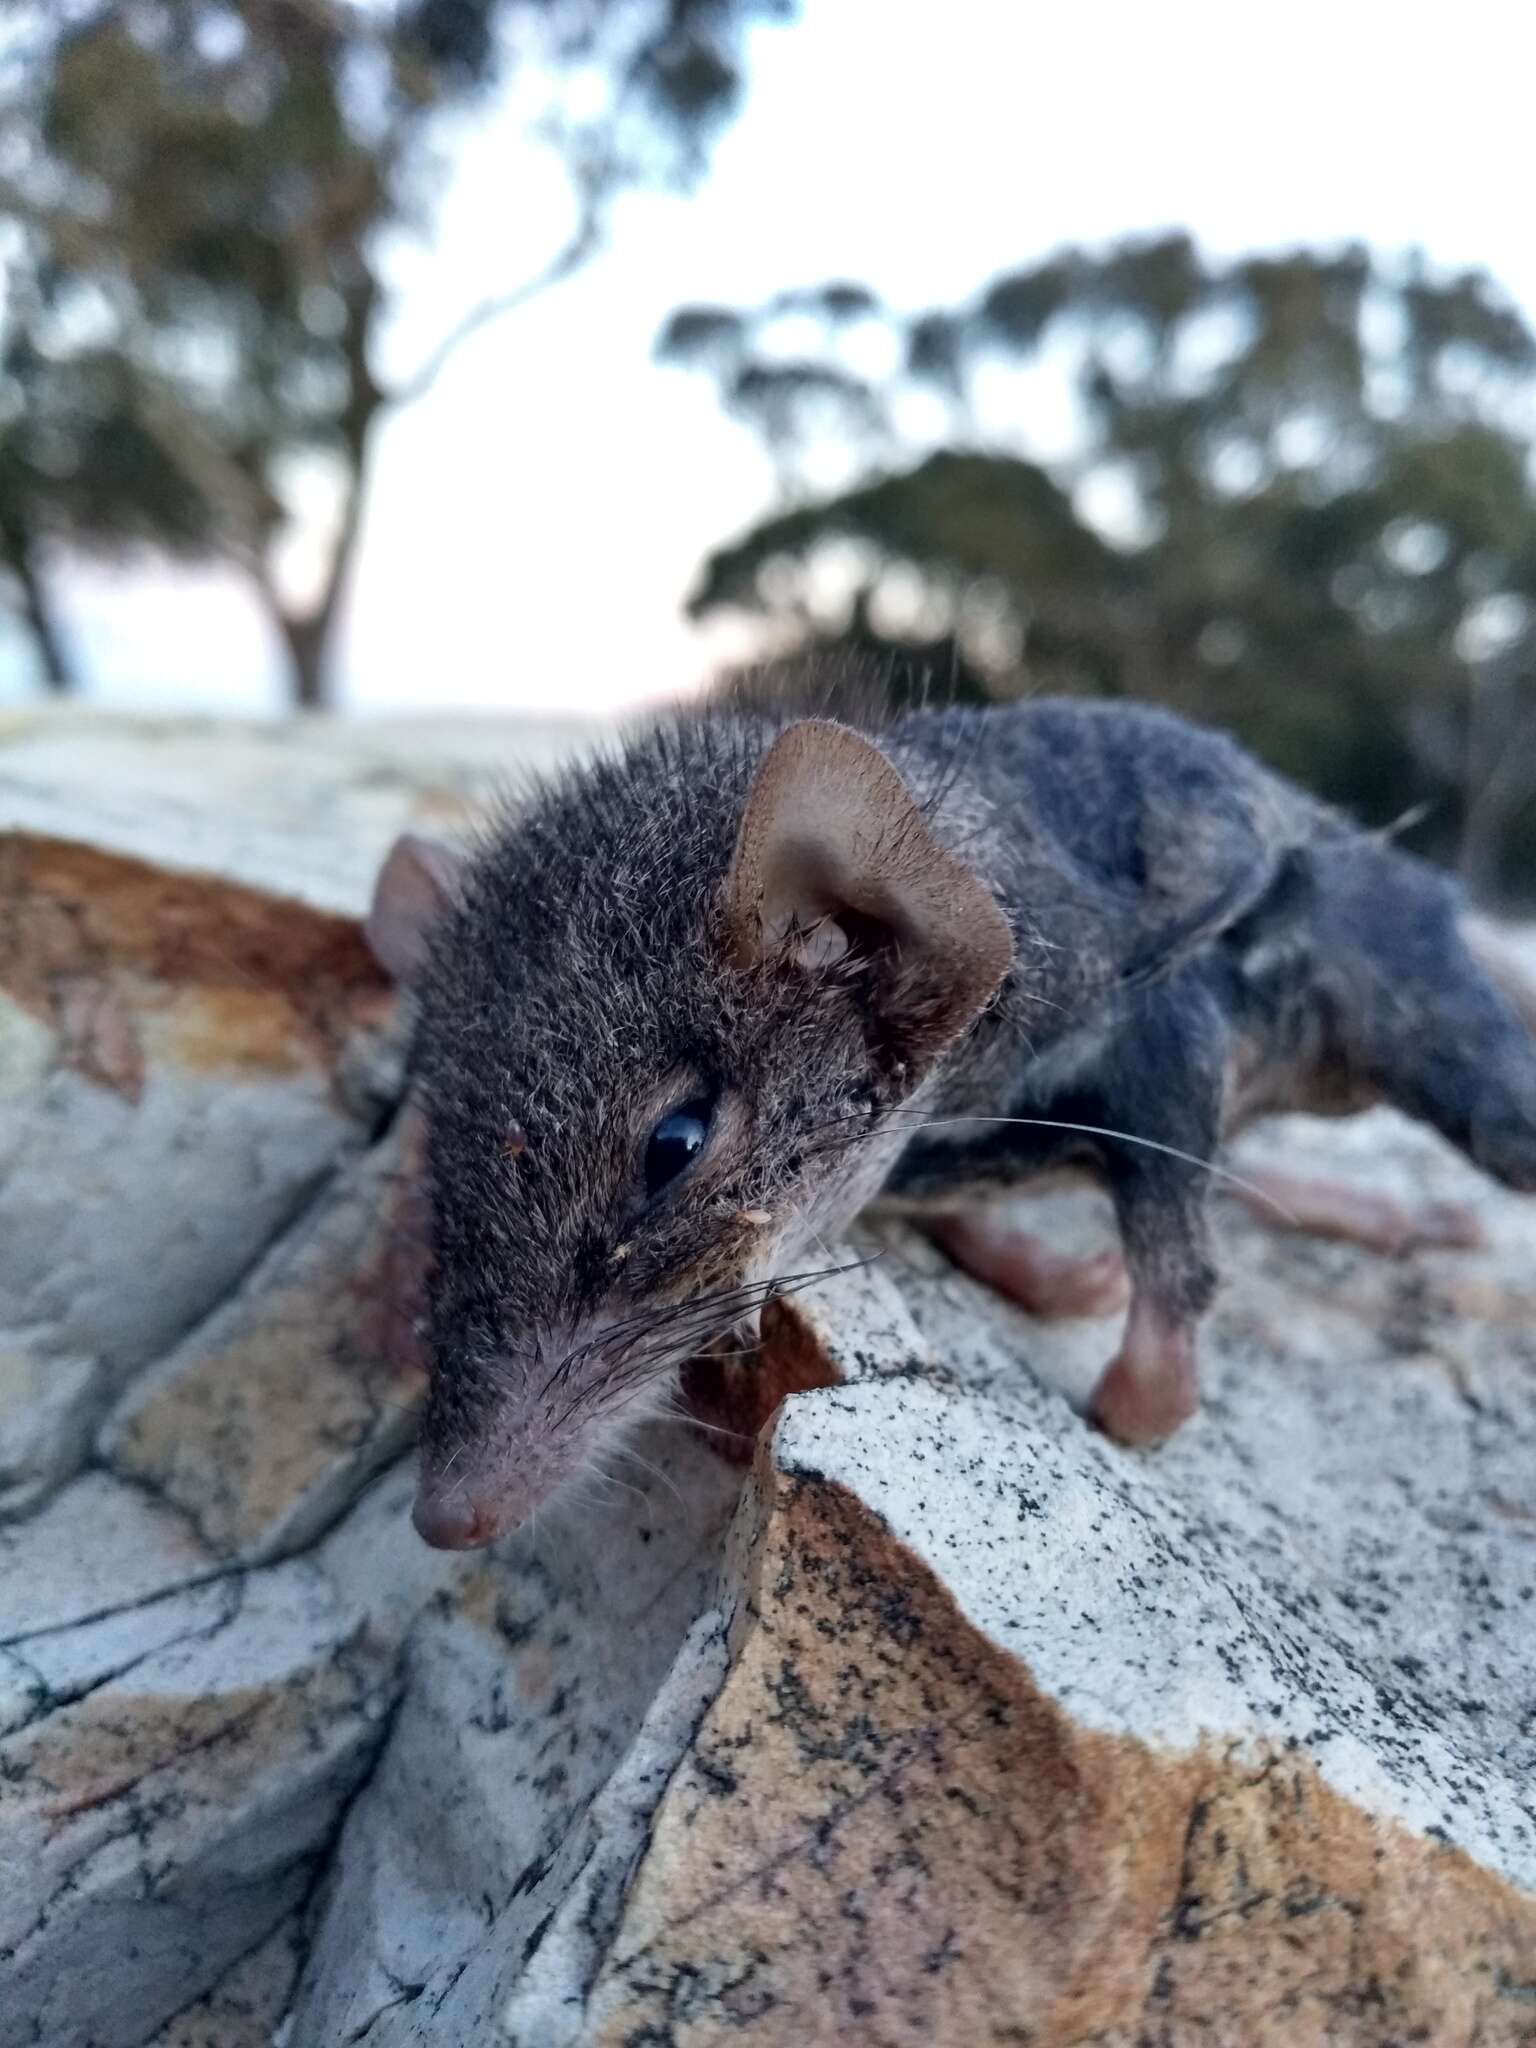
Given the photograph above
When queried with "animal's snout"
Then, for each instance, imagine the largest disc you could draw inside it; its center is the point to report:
(455, 1518)
(492, 1480)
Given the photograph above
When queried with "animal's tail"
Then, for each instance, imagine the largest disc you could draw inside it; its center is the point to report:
(1512, 975)
(1436, 1016)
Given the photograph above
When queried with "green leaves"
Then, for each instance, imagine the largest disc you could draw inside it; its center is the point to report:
(1298, 501)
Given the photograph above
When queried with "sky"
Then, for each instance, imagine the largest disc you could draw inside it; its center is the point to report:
(917, 148)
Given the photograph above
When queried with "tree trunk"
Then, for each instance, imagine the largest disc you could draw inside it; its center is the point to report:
(308, 638)
(58, 677)
(305, 643)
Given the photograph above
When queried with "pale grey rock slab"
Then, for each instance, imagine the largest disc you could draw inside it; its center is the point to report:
(159, 1823)
(91, 1270)
(245, 2007)
(49, 1406)
(524, 1697)
(1336, 1552)
(301, 807)
(548, 2007)
(98, 1548)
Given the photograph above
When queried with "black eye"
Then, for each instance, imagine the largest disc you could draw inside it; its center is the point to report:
(675, 1143)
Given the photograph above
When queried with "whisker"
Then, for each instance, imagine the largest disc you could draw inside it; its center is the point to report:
(642, 1347)
(1048, 1123)
(612, 1479)
(628, 1451)
(736, 1436)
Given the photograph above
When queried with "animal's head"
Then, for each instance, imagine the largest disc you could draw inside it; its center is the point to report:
(665, 1016)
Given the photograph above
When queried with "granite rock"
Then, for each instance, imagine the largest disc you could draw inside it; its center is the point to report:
(939, 1720)
(172, 1800)
(1028, 1737)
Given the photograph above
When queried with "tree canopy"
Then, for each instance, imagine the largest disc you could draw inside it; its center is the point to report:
(194, 196)
(1292, 494)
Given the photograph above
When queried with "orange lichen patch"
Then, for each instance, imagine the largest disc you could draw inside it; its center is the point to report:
(91, 940)
(317, 1378)
(257, 1030)
(885, 1832)
(735, 1397)
(171, 1749)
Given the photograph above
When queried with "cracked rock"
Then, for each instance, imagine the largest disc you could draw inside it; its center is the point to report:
(169, 1045)
(525, 1697)
(272, 1416)
(943, 1721)
(157, 1824)
(1028, 1737)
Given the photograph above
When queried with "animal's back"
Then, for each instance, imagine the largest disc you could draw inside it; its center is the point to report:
(1110, 782)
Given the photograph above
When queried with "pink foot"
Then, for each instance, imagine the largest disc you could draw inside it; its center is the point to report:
(1329, 1208)
(1149, 1388)
(1046, 1283)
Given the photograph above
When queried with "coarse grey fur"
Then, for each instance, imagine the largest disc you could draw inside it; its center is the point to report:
(1195, 943)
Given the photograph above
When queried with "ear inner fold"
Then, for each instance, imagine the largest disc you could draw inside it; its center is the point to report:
(415, 885)
(831, 831)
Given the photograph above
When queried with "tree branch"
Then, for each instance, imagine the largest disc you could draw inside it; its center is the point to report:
(577, 251)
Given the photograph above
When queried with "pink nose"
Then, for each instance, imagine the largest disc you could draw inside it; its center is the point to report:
(450, 1518)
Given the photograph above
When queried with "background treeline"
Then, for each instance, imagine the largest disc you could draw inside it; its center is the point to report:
(1291, 494)
(1294, 494)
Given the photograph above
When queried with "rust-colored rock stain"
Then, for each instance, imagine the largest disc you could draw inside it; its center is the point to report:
(733, 1398)
(114, 953)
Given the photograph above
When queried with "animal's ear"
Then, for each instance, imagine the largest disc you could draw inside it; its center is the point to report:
(834, 856)
(419, 879)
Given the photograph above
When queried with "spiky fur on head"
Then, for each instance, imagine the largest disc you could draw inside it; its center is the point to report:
(583, 986)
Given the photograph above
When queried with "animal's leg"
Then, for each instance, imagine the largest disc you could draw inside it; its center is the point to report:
(1167, 1088)
(1151, 1384)
(1047, 1283)
(1333, 1208)
(1154, 1119)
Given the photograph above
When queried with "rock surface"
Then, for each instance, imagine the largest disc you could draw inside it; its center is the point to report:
(945, 1722)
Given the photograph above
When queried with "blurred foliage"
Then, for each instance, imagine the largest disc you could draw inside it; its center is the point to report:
(1297, 499)
(194, 194)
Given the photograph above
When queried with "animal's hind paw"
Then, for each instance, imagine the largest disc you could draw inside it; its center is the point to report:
(1333, 1208)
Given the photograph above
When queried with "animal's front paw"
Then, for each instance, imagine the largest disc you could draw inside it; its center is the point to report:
(1045, 1282)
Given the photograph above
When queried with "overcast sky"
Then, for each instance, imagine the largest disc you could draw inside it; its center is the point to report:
(919, 148)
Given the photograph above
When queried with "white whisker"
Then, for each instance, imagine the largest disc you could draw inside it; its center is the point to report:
(1049, 1123)
(627, 1451)
(736, 1436)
